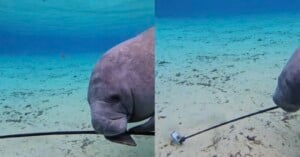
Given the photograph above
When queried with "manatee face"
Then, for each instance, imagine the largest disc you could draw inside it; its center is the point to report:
(109, 119)
(287, 93)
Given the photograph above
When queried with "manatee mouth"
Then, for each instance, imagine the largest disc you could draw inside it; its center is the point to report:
(110, 126)
(281, 100)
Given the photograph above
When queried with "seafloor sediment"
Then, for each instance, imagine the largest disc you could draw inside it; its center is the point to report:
(210, 70)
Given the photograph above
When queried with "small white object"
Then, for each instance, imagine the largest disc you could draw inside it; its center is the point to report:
(176, 138)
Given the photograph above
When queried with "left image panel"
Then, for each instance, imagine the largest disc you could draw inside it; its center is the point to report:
(77, 78)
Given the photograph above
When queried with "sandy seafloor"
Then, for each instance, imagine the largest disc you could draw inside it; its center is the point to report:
(210, 70)
(48, 93)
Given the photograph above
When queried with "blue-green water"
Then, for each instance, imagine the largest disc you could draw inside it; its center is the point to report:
(221, 8)
(218, 60)
(70, 26)
(215, 60)
(47, 52)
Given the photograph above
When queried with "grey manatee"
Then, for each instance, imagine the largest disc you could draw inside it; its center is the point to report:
(287, 93)
(121, 89)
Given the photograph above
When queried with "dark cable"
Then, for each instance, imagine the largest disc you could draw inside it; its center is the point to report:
(230, 121)
(65, 133)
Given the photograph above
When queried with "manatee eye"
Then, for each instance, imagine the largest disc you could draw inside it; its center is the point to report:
(114, 98)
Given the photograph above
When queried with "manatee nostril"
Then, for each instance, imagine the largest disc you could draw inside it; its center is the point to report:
(115, 97)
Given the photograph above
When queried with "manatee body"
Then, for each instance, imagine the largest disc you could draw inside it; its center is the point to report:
(121, 89)
(287, 93)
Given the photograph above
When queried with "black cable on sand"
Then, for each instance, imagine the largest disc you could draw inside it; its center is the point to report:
(65, 133)
(233, 120)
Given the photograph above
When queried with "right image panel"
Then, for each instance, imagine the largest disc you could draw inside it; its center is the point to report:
(227, 78)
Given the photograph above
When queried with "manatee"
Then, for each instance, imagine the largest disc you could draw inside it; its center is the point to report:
(121, 89)
(287, 93)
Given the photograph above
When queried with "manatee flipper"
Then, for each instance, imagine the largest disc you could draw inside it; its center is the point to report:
(122, 139)
(146, 127)
(126, 139)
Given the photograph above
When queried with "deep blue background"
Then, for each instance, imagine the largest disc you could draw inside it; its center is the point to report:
(11, 42)
(188, 8)
(73, 26)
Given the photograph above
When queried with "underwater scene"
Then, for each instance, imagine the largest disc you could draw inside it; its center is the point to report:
(48, 50)
(218, 60)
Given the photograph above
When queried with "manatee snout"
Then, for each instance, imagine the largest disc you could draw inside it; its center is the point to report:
(287, 93)
(109, 126)
(284, 101)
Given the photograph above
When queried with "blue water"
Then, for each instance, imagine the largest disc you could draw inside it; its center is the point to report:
(47, 52)
(47, 26)
(218, 60)
(189, 8)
